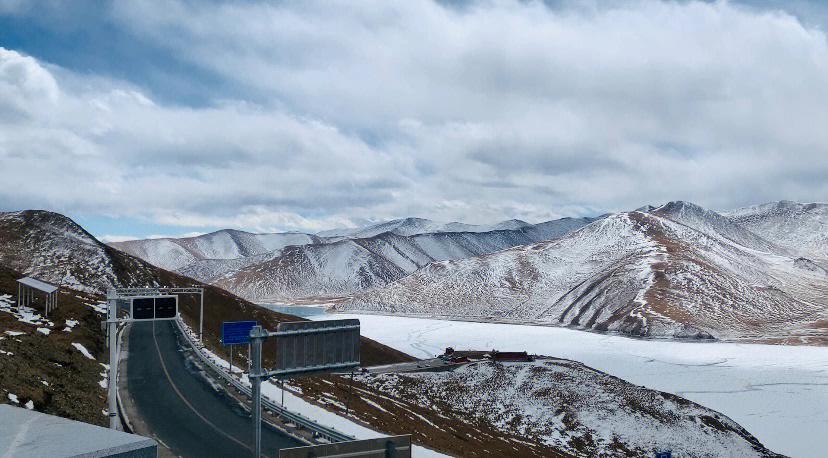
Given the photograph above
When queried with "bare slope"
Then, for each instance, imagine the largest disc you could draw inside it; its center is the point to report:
(644, 274)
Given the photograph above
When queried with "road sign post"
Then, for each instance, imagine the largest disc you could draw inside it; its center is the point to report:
(302, 347)
(236, 333)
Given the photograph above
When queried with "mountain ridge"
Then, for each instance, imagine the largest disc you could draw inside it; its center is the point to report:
(634, 272)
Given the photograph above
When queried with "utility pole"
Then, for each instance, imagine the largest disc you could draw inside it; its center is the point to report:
(200, 320)
(112, 330)
(255, 376)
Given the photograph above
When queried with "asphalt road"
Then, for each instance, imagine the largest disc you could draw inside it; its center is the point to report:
(180, 406)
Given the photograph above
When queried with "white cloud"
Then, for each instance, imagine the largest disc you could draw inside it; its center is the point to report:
(499, 109)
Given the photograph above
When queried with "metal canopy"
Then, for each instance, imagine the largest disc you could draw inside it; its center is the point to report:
(26, 288)
(38, 285)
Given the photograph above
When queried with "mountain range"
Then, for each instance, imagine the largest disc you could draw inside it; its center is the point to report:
(676, 270)
(333, 265)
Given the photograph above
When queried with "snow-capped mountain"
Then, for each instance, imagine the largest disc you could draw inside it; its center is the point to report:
(714, 224)
(679, 270)
(278, 267)
(800, 228)
(415, 226)
(175, 253)
(356, 264)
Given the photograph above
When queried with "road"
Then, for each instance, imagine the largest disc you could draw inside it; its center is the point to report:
(180, 406)
(430, 364)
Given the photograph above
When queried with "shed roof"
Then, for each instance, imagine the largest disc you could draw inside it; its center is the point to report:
(37, 284)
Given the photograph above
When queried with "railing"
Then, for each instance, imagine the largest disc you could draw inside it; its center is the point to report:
(325, 432)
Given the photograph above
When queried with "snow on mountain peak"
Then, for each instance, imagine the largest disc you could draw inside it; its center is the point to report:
(802, 228)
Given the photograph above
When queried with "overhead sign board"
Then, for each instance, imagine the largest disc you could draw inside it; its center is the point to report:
(315, 346)
(394, 446)
(153, 308)
(236, 332)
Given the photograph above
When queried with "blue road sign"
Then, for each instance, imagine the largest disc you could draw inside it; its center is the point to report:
(667, 454)
(236, 332)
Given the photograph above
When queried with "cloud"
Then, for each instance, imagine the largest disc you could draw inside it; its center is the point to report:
(320, 114)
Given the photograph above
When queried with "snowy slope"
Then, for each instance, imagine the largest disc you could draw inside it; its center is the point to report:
(714, 224)
(572, 408)
(638, 273)
(801, 228)
(352, 265)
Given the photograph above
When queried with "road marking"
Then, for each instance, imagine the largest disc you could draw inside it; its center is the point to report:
(175, 388)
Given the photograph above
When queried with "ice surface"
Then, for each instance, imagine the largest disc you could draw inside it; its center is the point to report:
(778, 393)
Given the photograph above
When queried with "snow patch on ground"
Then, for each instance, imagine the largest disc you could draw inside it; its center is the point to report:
(22, 314)
(83, 350)
(13, 398)
(44, 330)
(100, 308)
(104, 382)
(29, 405)
(70, 324)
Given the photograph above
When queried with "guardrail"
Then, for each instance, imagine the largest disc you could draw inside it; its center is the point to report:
(325, 432)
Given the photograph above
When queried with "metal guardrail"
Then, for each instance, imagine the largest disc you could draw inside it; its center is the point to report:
(325, 432)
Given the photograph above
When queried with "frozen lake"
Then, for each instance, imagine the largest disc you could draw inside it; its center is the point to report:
(779, 393)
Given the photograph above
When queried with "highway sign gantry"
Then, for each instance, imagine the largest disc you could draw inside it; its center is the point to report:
(153, 308)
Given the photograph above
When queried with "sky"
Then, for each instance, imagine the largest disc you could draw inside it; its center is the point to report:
(148, 118)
